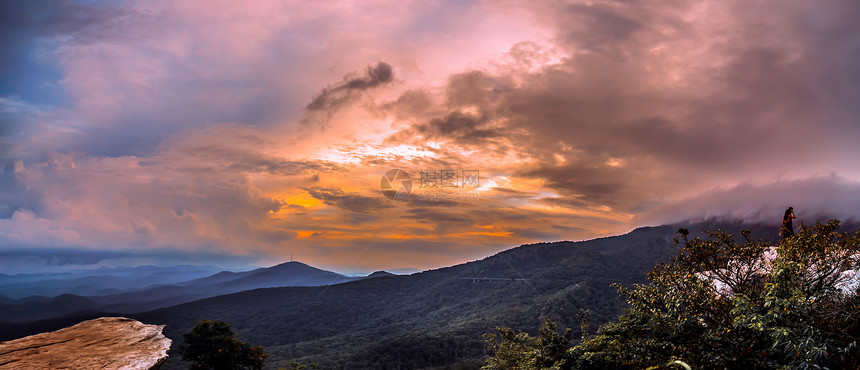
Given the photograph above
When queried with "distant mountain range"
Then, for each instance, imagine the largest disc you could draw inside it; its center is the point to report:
(432, 319)
(154, 295)
(101, 281)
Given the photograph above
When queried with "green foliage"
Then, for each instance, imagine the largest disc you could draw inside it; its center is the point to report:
(520, 351)
(726, 304)
(213, 345)
(584, 317)
(723, 304)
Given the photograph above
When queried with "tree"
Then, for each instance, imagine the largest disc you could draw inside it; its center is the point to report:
(521, 351)
(213, 345)
(723, 304)
(726, 304)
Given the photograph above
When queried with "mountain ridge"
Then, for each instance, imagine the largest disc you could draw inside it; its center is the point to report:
(293, 273)
(434, 319)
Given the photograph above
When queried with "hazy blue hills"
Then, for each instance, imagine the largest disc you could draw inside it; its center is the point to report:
(37, 307)
(432, 319)
(435, 319)
(380, 274)
(285, 274)
(101, 281)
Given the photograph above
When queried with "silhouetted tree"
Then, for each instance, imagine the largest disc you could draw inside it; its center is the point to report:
(213, 345)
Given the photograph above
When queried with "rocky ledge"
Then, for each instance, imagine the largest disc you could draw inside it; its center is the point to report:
(103, 343)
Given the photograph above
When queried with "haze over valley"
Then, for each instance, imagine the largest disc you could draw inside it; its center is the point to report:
(411, 184)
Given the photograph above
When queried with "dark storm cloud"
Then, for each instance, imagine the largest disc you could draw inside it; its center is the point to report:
(473, 88)
(461, 128)
(607, 24)
(586, 182)
(380, 74)
(410, 104)
(352, 202)
(469, 90)
(337, 94)
(746, 110)
(652, 102)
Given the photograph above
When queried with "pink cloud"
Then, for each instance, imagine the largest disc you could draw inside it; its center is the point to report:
(188, 124)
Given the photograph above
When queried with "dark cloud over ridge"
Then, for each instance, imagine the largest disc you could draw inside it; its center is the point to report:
(337, 94)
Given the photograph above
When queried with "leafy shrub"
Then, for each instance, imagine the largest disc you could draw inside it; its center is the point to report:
(213, 345)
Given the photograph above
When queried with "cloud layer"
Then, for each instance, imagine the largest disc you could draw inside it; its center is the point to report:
(263, 131)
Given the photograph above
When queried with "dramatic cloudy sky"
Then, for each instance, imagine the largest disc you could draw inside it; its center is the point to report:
(230, 132)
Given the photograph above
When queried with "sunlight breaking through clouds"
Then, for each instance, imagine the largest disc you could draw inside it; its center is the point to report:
(144, 127)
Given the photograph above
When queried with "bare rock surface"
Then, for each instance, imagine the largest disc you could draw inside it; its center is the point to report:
(103, 343)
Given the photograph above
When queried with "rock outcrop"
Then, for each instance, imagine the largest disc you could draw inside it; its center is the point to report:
(103, 343)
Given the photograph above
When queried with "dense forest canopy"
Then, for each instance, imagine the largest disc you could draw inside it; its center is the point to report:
(720, 303)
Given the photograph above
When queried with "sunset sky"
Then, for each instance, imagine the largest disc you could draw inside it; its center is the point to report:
(238, 133)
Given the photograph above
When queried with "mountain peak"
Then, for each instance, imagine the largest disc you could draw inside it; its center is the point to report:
(290, 265)
(380, 274)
